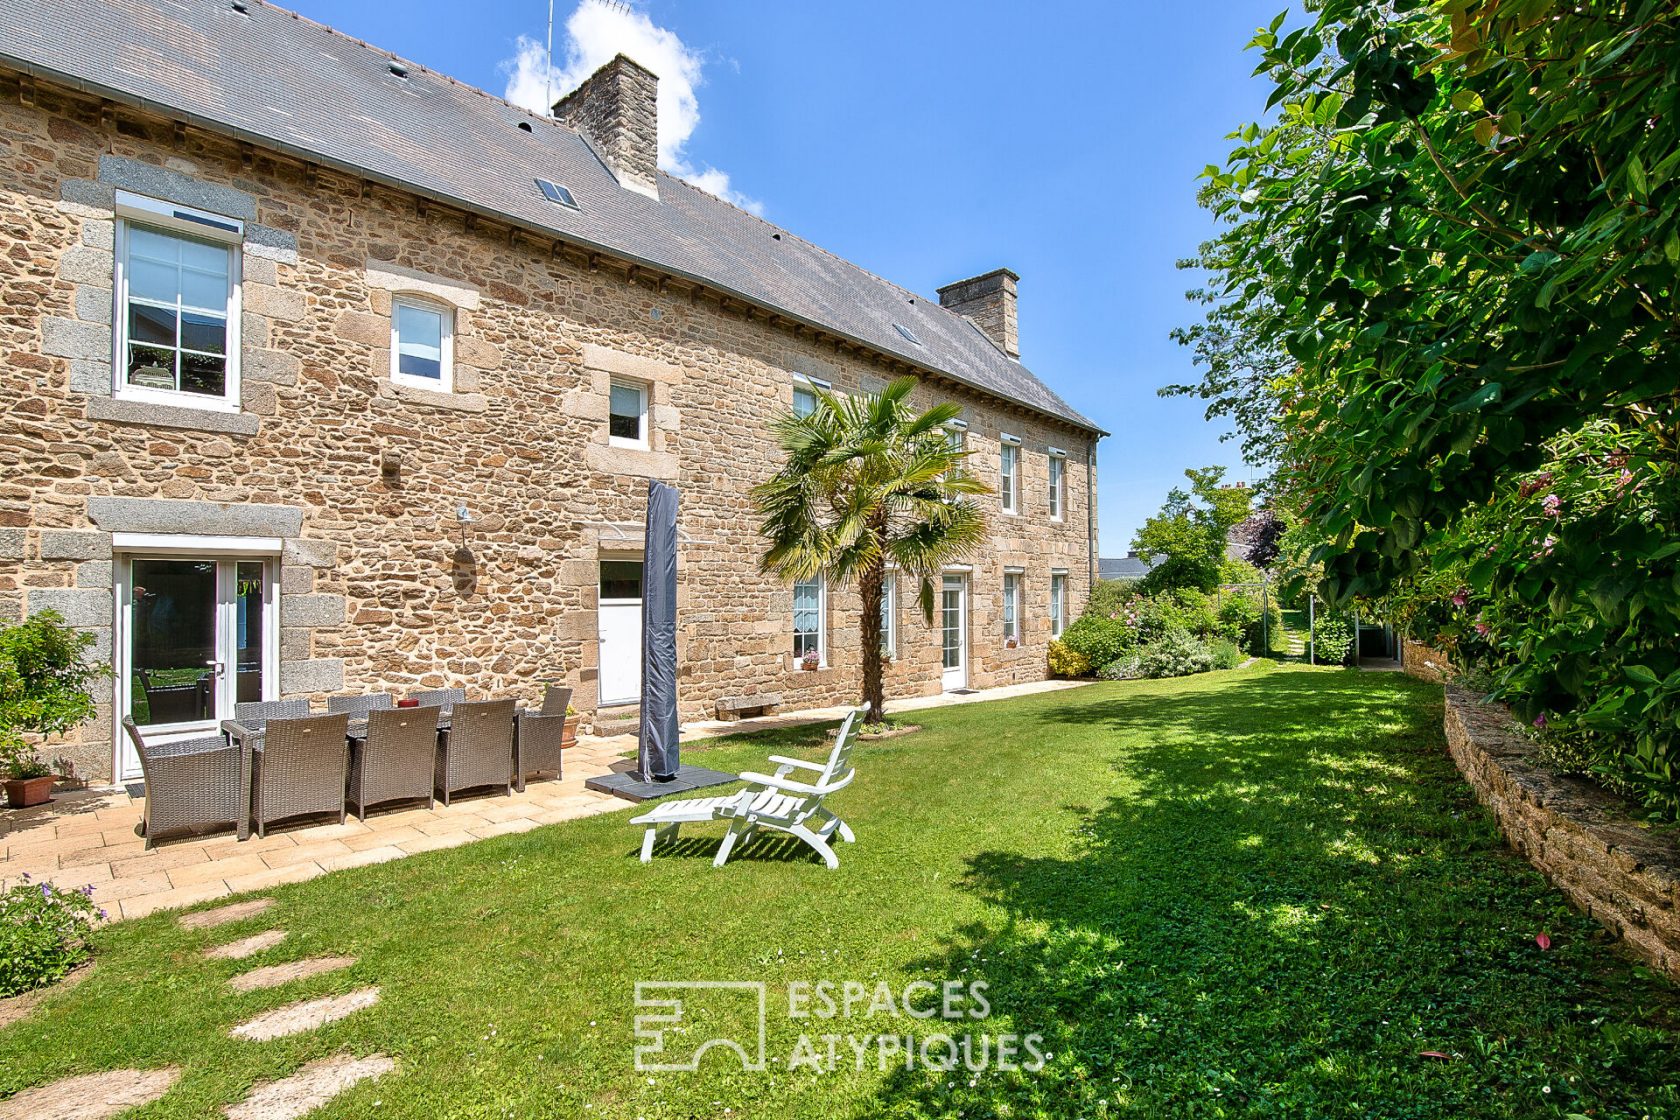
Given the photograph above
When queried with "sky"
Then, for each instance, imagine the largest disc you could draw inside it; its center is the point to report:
(928, 142)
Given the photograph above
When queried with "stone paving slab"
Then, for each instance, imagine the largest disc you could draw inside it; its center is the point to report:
(309, 1088)
(247, 946)
(275, 975)
(222, 915)
(307, 1015)
(91, 1096)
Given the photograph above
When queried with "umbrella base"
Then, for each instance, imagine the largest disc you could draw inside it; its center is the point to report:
(633, 787)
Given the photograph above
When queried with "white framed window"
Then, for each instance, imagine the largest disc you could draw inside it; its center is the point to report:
(1058, 603)
(1009, 474)
(1058, 482)
(805, 393)
(889, 615)
(422, 344)
(956, 433)
(1011, 606)
(176, 337)
(810, 607)
(627, 414)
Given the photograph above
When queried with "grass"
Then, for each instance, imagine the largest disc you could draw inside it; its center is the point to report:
(1254, 893)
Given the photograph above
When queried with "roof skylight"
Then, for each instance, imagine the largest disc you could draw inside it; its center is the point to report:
(557, 194)
(907, 333)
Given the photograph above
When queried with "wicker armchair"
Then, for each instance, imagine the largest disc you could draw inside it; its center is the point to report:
(536, 745)
(397, 758)
(265, 710)
(191, 786)
(300, 769)
(441, 697)
(357, 706)
(557, 700)
(478, 750)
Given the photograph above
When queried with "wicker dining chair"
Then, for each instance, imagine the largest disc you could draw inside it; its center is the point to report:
(478, 748)
(300, 769)
(536, 745)
(557, 700)
(270, 709)
(396, 760)
(191, 785)
(441, 697)
(355, 706)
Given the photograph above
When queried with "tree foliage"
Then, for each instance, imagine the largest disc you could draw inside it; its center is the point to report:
(46, 684)
(1462, 232)
(1188, 535)
(869, 482)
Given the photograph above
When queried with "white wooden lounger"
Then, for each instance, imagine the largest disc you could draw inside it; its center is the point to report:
(772, 801)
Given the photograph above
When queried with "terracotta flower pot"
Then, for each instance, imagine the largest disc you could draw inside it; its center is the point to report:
(24, 792)
(568, 735)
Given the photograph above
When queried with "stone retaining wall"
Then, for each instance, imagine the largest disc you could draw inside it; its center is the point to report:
(1426, 663)
(1581, 837)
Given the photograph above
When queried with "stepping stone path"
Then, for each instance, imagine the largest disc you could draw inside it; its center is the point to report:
(222, 915)
(277, 974)
(247, 946)
(92, 1096)
(295, 1018)
(309, 1088)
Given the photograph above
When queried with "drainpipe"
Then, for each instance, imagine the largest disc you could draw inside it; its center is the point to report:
(1090, 517)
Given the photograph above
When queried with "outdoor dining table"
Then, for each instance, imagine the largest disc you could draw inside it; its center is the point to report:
(248, 734)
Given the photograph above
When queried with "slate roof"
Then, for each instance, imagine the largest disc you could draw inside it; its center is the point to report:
(1123, 567)
(283, 82)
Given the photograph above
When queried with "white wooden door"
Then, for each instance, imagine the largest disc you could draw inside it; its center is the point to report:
(621, 631)
(953, 631)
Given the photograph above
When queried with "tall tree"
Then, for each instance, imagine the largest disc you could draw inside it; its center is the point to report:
(870, 482)
(1188, 535)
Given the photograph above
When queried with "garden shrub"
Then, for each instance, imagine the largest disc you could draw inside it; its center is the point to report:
(1127, 668)
(45, 686)
(1066, 662)
(1177, 653)
(1226, 654)
(1110, 597)
(1098, 639)
(1332, 641)
(43, 933)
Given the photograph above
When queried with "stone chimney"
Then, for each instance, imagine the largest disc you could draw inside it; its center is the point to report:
(989, 300)
(617, 108)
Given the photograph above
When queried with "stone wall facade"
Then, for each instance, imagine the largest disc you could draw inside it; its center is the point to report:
(356, 480)
(1581, 837)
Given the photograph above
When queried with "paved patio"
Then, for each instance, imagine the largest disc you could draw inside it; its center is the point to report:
(93, 837)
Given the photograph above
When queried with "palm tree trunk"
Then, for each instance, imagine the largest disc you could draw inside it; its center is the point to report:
(870, 589)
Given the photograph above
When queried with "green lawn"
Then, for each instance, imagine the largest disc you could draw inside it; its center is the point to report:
(1256, 893)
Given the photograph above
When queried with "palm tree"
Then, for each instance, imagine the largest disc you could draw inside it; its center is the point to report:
(868, 482)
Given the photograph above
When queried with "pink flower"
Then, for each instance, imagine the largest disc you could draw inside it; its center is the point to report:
(1461, 597)
(1624, 478)
(1483, 629)
(1552, 504)
(1540, 721)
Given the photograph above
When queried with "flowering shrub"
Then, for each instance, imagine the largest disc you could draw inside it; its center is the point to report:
(1332, 640)
(1176, 654)
(1099, 640)
(43, 933)
(1066, 662)
(46, 686)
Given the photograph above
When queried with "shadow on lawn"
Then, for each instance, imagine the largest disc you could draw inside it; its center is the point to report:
(1298, 900)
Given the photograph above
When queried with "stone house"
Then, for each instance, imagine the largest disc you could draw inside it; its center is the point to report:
(326, 373)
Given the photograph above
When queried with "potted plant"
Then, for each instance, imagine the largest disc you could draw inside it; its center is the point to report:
(810, 663)
(568, 736)
(45, 689)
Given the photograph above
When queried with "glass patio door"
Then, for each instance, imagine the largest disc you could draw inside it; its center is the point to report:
(195, 642)
(953, 630)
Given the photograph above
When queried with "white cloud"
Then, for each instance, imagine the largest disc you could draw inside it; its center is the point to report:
(594, 33)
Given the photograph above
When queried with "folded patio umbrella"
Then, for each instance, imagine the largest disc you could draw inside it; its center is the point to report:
(658, 751)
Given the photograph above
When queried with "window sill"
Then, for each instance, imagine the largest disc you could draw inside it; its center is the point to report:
(154, 414)
(628, 444)
(433, 398)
